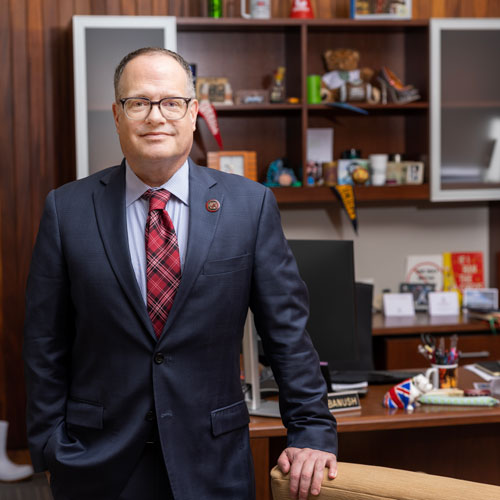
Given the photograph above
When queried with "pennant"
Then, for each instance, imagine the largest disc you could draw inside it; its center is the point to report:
(207, 112)
(345, 193)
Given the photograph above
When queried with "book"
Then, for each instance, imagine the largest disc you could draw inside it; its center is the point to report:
(490, 367)
(462, 270)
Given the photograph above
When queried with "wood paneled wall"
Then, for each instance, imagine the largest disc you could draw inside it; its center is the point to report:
(37, 147)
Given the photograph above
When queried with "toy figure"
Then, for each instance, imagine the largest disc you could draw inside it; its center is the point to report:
(404, 394)
(279, 175)
(344, 80)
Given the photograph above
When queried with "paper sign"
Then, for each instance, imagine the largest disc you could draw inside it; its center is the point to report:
(427, 269)
(320, 144)
(398, 304)
(443, 304)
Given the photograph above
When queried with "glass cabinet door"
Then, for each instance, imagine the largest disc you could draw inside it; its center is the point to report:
(99, 44)
(465, 109)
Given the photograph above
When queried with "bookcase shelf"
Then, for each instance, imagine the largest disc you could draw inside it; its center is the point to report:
(274, 131)
(323, 194)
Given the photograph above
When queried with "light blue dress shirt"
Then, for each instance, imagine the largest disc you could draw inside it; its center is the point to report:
(137, 214)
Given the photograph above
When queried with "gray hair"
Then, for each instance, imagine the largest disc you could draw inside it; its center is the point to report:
(155, 50)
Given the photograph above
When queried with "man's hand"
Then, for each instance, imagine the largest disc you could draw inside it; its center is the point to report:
(306, 469)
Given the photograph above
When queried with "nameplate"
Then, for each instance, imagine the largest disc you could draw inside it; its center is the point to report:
(342, 401)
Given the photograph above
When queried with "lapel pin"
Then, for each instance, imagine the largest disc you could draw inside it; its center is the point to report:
(213, 205)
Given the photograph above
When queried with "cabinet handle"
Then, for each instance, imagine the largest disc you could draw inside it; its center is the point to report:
(478, 354)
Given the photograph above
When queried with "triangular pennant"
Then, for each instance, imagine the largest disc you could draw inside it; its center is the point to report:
(207, 112)
(345, 193)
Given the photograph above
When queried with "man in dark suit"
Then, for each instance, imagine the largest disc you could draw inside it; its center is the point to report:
(132, 357)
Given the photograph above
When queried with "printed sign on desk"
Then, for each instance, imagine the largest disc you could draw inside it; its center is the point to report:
(398, 304)
(443, 304)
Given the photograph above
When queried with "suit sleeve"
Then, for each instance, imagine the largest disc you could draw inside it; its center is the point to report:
(48, 334)
(279, 301)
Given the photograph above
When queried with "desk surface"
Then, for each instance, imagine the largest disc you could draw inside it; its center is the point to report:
(373, 416)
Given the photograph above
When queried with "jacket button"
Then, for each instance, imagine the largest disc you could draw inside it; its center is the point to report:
(159, 358)
(150, 416)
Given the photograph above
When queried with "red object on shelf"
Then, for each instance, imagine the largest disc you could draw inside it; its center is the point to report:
(301, 9)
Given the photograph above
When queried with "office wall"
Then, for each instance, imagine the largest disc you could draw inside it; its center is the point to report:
(37, 141)
(386, 235)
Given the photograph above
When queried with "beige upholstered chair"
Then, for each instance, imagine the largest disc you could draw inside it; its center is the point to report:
(365, 482)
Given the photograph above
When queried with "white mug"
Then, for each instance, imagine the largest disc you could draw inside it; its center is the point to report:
(259, 9)
(442, 376)
(378, 165)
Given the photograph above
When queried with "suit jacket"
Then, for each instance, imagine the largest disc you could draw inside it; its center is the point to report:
(98, 381)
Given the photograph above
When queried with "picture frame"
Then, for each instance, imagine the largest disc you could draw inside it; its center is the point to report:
(420, 292)
(234, 162)
(216, 89)
(387, 9)
(480, 299)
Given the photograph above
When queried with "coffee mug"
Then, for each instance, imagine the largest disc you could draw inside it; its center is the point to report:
(259, 9)
(443, 376)
(378, 165)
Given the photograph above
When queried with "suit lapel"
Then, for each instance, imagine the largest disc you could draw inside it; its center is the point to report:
(109, 202)
(202, 225)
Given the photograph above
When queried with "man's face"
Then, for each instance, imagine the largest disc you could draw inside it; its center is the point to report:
(154, 139)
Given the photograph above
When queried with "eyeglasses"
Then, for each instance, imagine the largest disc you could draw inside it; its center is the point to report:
(171, 108)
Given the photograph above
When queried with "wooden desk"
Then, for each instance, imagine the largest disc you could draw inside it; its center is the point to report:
(461, 442)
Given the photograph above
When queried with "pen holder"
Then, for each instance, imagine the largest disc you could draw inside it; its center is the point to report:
(443, 376)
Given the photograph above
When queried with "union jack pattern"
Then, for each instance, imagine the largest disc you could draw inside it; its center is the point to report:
(398, 396)
(163, 264)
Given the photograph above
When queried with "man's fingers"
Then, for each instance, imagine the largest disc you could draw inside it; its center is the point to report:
(331, 463)
(317, 477)
(296, 474)
(306, 469)
(284, 462)
(306, 474)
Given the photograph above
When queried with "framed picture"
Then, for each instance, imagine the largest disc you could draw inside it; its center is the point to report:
(216, 90)
(381, 9)
(420, 293)
(234, 162)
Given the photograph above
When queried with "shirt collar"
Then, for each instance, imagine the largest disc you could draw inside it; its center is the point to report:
(178, 185)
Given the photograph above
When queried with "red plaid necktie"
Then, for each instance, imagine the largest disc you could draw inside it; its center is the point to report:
(163, 264)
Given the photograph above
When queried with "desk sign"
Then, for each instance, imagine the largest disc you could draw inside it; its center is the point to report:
(443, 304)
(342, 401)
(398, 304)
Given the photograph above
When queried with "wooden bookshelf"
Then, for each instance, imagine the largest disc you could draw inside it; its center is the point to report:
(275, 131)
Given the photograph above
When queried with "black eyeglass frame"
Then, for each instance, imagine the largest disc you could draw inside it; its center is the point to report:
(187, 100)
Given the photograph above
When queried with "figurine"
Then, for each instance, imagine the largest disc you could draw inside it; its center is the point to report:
(405, 394)
(277, 94)
(279, 175)
(394, 89)
(344, 80)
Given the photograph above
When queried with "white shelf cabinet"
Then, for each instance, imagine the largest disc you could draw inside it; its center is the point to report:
(99, 44)
(465, 109)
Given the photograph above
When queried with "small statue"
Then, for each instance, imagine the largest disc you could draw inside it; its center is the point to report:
(404, 394)
(280, 176)
(278, 92)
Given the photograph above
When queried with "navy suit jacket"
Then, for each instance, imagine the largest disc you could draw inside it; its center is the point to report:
(97, 378)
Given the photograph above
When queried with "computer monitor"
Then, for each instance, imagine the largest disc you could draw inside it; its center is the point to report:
(327, 268)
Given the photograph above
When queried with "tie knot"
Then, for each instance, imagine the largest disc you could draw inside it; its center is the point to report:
(157, 198)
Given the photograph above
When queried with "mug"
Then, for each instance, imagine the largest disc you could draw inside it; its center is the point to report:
(314, 89)
(378, 164)
(443, 376)
(259, 9)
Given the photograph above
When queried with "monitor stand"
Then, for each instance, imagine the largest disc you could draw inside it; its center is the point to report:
(256, 405)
